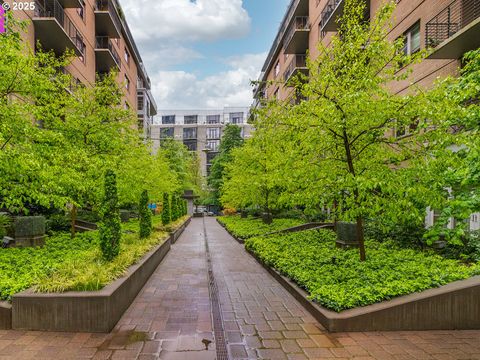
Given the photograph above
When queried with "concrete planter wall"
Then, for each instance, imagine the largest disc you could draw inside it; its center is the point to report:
(451, 307)
(5, 316)
(174, 235)
(94, 311)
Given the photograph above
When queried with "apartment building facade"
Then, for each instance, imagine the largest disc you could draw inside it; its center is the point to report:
(199, 130)
(97, 33)
(450, 28)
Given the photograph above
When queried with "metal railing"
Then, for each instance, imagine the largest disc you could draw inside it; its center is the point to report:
(53, 9)
(281, 32)
(450, 20)
(299, 23)
(298, 61)
(107, 5)
(328, 11)
(104, 42)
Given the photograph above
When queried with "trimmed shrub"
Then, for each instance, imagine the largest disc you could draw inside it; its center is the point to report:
(28, 226)
(145, 216)
(110, 226)
(166, 212)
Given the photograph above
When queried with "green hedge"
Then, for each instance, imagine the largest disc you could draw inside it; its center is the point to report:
(245, 228)
(336, 278)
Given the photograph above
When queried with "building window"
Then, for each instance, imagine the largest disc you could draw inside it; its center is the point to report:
(140, 102)
(213, 119)
(236, 118)
(190, 144)
(167, 133)
(190, 133)
(127, 83)
(190, 119)
(213, 145)
(412, 39)
(168, 119)
(276, 70)
(127, 56)
(210, 157)
(81, 10)
(213, 133)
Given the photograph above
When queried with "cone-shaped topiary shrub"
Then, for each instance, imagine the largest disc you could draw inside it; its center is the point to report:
(166, 214)
(110, 228)
(145, 216)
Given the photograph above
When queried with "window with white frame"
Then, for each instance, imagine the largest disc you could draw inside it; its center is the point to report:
(213, 133)
(412, 39)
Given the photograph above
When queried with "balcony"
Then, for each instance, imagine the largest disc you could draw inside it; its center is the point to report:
(55, 30)
(296, 39)
(334, 10)
(70, 3)
(107, 21)
(106, 57)
(296, 66)
(455, 30)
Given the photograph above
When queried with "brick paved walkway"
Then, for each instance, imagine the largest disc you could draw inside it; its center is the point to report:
(171, 316)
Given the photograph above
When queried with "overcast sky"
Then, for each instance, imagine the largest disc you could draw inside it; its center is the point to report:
(203, 53)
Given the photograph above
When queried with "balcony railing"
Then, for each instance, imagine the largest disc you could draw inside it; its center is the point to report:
(298, 62)
(328, 12)
(107, 5)
(299, 23)
(104, 42)
(451, 20)
(53, 9)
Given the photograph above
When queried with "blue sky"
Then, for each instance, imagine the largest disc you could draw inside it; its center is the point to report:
(203, 53)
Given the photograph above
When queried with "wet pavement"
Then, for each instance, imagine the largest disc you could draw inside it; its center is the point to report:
(172, 318)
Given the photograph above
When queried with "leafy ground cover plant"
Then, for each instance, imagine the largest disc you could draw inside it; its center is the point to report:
(245, 228)
(66, 264)
(338, 280)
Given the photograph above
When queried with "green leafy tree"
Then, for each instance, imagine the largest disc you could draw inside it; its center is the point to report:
(32, 90)
(110, 228)
(166, 212)
(251, 179)
(453, 165)
(341, 140)
(145, 216)
(231, 139)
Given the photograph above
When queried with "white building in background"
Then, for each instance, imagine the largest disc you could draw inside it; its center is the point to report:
(199, 130)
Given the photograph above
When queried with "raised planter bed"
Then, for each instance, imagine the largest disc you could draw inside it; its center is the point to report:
(451, 307)
(90, 311)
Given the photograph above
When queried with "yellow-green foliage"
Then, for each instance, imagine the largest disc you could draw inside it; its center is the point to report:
(88, 272)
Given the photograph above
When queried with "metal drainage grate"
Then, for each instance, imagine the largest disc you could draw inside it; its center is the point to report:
(218, 330)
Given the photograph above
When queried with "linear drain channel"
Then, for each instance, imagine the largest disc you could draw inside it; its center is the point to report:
(218, 330)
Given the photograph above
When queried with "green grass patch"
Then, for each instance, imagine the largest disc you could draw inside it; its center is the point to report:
(245, 228)
(337, 280)
(66, 264)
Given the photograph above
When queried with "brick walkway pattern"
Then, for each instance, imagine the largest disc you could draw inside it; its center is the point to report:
(172, 315)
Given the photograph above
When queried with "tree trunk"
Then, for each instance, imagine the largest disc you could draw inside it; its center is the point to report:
(361, 239)
(73, 219)
(351, 169)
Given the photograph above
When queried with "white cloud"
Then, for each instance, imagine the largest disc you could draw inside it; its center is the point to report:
(165, 55)
(183, 90)
(186, 20)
